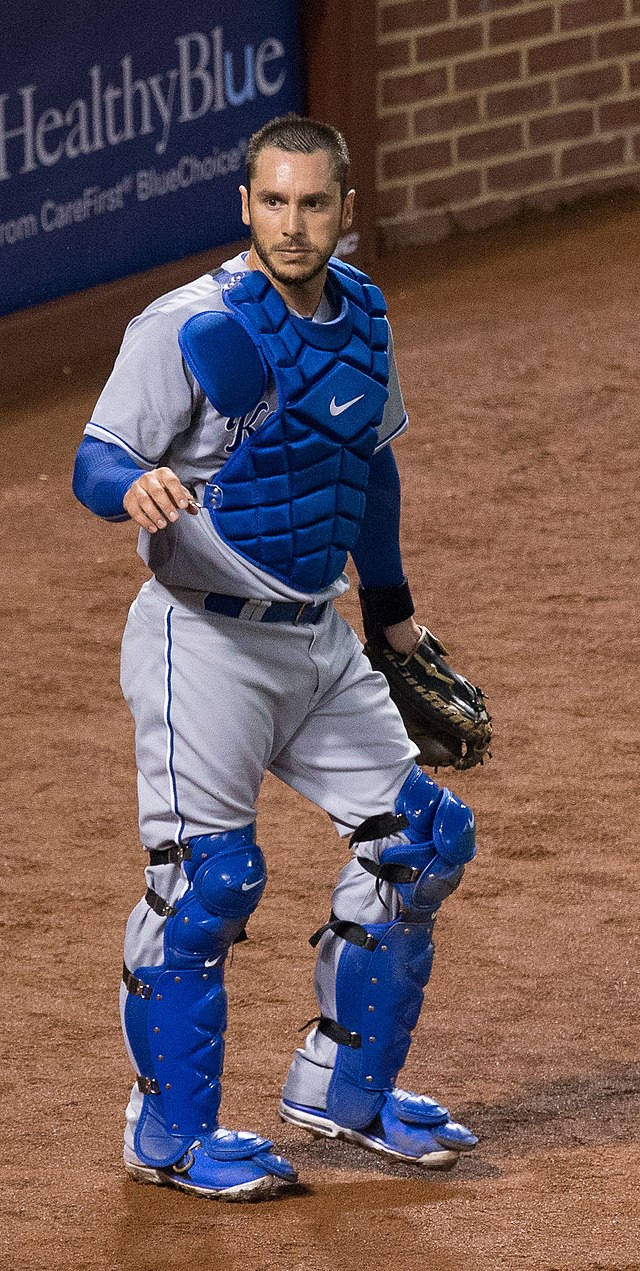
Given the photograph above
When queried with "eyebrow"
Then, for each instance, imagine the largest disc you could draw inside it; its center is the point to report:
(277, 194)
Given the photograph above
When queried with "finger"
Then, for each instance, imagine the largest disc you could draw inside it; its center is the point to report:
(140, 517)
(142, 504)
(189, 502)
(177, 492)
(154, 499)
(154, 490)
(143, 511)
(181, 495)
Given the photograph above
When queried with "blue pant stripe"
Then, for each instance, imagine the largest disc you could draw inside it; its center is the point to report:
(168, 721)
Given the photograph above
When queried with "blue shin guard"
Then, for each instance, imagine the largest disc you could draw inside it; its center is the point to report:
(175, 1014)
(385, 966)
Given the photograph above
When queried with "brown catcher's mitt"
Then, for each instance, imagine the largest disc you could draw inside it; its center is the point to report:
(443, 713)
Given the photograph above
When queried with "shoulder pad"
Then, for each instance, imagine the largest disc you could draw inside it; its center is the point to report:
(225, 361)
(350, 271)
(358, 287)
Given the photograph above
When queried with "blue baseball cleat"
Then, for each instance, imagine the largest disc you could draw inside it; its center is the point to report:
(408, 1127)
(226, 1165)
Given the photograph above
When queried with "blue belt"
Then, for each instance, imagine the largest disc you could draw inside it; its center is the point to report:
(263, 610)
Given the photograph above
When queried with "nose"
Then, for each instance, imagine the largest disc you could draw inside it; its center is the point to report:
(293, 220)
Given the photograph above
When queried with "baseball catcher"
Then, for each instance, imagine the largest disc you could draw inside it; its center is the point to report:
(246, 429)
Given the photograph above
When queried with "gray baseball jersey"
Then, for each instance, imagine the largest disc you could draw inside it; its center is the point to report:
(156, 411)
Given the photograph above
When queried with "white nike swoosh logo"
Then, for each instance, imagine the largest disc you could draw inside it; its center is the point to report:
(249, 886)
(337, 410)
(213, 961)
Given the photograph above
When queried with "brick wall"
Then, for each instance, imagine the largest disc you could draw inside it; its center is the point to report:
(488, 107)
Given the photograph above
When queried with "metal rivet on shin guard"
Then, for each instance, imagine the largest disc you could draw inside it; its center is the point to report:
(384, 948)
(176, 979)
(174, 1126)
(368, 1078)
(372, 1008)
(372, 1039)
(407, 931)
(156, 1029)
(185, 919)
(167, 1085)
(158, 997)
(374, 979)
(161, 1057)
(204, 1126)
(206, 975)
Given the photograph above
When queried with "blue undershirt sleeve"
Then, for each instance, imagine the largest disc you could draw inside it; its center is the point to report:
(102, 475)
(376, 554)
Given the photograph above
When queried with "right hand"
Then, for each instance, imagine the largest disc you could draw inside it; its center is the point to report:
(156, 498)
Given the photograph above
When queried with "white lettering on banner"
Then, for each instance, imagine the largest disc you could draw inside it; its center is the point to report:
(196, 84)
(149, 183)
(16, 231)
(207, 78)
(77, 118)
(92, 202)
(269, 51)
(189, 170)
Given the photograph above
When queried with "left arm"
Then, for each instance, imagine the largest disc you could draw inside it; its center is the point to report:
(377, 556)
(444, 714)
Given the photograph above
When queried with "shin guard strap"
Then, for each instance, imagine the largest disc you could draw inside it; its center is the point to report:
(379, 827)
(338, 1034)
(134, 985)
(148, 1085)
(159, 906)
(170, 855)
(390, 873)
(351, 931)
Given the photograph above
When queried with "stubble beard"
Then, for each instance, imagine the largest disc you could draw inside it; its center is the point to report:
(270, 261)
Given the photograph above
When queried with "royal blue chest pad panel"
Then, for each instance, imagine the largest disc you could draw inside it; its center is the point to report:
(291, 498)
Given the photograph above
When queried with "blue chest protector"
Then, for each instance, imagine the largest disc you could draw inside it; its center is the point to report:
(291, 498)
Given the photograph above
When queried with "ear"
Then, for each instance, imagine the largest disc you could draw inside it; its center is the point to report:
(244, 195)
(347, 212)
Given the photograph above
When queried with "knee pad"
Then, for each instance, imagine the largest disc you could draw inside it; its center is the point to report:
(440, 832)
(175, 1015)
(227, 876)
(384, 967)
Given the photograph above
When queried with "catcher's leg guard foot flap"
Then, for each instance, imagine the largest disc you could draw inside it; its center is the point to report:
(225, 1165)
(407, 1127)
(420, 1110)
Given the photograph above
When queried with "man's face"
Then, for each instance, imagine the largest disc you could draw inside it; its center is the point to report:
(296, 213)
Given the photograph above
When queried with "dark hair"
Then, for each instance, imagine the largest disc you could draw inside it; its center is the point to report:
(298, 134)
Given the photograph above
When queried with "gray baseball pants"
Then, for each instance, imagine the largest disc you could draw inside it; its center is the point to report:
(219, 701)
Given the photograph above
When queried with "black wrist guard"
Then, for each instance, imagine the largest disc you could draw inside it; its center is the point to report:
(383, 607)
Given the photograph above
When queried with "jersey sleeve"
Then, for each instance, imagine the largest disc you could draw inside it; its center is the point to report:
(150, 396)
(376, 555)
(395, 419)
(102, 475)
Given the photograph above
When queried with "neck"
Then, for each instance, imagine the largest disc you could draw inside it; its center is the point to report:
(304, 297)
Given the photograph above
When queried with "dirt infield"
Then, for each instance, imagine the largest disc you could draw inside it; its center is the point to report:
(518, 355)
